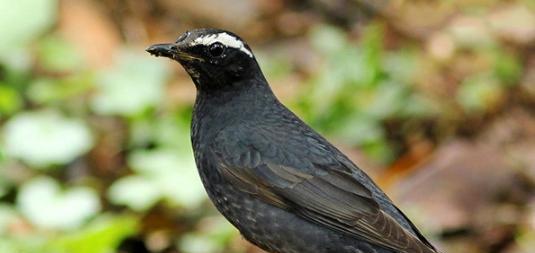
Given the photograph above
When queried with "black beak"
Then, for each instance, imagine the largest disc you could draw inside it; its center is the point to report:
(173, 51)
(168, 50)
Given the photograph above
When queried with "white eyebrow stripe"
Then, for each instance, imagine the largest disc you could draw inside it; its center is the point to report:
(223, 38)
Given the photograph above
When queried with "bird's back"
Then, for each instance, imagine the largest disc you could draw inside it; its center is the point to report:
(269, 227)
(277, 134)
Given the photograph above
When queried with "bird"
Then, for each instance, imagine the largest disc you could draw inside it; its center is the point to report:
(279, 182)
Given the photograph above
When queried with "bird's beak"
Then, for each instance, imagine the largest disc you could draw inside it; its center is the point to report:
(171, 50)
(164, 49)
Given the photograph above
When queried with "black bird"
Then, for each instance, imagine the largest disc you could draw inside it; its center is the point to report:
(284, 186)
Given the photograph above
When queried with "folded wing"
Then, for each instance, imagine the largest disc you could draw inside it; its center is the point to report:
(327, 195)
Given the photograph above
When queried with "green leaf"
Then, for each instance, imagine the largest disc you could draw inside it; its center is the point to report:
(359, 129)
(472, 33)
(4, 185)
(507, 67)
(328, 39)
(215, 235)
(56, 54)
(479, 93)
(173, 173)
(103, 235)
(137, 192)
(25, 244)
(354, 67)
(388, 100)
(7, 216)
(167, 130)
(174, 132)
(420, 106)
(401, 66)
(274, 66)
(22, 21)
(44, 204)
(45, 138)
(10, 100)
(134, 84)
(372, 50)
(379, 150)
(48, 91)
(6, 245)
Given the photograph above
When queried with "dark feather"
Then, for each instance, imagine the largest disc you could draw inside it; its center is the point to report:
(327, 194)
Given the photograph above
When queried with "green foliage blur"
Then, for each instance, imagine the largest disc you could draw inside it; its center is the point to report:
(94, 156)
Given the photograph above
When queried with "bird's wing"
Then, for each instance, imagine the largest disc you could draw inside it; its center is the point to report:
(326, 194)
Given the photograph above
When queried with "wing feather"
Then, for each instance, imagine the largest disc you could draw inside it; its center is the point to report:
(327, 195)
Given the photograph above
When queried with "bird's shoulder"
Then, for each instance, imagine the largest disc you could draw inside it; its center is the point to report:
(278, 137)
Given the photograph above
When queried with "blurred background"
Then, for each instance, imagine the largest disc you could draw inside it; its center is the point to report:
(434, 99)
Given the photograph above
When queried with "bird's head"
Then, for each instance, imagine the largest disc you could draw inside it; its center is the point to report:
(213, 58)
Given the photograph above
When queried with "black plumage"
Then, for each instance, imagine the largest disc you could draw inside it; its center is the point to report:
(286, 188)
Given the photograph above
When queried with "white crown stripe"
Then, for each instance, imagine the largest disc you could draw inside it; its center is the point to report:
(223, 38)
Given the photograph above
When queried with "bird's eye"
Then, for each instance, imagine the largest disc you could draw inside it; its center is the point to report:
(216, 49)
